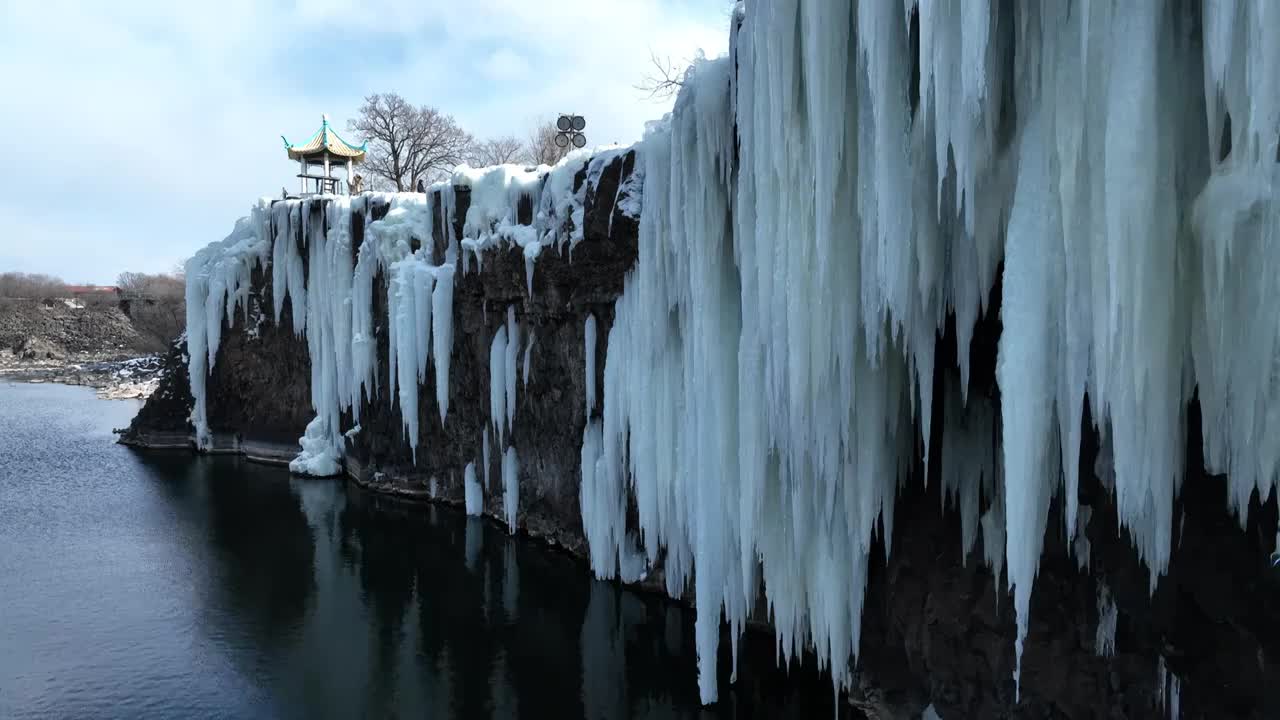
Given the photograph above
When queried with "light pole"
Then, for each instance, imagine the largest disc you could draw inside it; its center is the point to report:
(569, 129)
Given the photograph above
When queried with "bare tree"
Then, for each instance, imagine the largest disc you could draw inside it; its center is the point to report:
(407, 143)
(155, 304)
(31, 285)
(543, 149)
(666, 78)
(497, 151)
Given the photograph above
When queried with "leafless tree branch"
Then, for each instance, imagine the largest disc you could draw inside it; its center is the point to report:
(30, 285)
(407, 143)
(497, 151)
(666, 78)
(542, 148)
(155, 304)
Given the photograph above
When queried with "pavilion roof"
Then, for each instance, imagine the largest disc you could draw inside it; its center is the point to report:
(325, 139)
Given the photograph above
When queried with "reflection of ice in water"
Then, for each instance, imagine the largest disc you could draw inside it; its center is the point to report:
(604, 679)
(488, 592)
(510, 581)
(1168, 690)
(439, 686)
(316, 497)
(500, 688)
(474, 541)
(304, 666)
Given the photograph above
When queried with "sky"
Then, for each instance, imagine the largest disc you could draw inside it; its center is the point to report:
(137, 132)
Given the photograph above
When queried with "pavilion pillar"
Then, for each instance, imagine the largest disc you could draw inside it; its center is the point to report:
(302, 176)
(349, 175)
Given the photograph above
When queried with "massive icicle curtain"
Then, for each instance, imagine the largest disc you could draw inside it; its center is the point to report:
(331, 293)
(814, 209)
(818, 203)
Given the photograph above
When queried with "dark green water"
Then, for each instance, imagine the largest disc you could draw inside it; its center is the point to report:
(168, 586)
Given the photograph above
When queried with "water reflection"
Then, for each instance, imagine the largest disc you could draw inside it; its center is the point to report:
(170, 586)
(386, 609)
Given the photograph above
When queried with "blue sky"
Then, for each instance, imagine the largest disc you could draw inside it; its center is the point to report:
(138, 132)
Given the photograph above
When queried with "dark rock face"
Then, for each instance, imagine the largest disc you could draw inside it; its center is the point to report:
(568, 286)
(260, 385)
(937, 628)
(936, 631)
(164, 417)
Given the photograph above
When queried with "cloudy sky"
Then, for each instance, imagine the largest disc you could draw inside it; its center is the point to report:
(137, 132)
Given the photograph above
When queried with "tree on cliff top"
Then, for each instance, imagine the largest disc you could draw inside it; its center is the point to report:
(497, 151)
(542, 149)
(407, 143)
(666, 78)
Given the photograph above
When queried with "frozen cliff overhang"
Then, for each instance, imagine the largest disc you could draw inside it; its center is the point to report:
(325, 254)
(851, 184)
(855, 176)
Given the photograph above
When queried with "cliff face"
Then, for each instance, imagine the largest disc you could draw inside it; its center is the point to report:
(568, 287)
(938, 627)
(259, 388)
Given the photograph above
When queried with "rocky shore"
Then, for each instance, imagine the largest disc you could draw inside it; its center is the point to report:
(67, 341)
(114, 379)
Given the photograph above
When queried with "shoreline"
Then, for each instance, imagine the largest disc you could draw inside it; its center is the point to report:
(266, 452)
(112, 377)
(651, 587)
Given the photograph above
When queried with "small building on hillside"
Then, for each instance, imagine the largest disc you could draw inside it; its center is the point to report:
(318, 157)
(92, 291)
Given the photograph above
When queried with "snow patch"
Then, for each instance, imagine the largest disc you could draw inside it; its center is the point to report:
(319, 457)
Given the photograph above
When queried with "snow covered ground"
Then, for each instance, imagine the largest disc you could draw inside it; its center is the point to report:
(132, 379)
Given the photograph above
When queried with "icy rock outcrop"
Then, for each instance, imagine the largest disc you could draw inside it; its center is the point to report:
(821, 202)
(325, 253)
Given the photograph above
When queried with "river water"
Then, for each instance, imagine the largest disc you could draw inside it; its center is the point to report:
(161, 585)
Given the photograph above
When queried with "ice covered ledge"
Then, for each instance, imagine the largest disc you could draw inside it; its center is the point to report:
(259, 391)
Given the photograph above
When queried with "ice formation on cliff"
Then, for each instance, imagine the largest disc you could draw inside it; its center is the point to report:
(473, 494)
(329, 283)
(814, 212)
(510, 487)
(773, 353)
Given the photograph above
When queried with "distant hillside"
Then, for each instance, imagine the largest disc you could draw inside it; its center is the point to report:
(58, 328)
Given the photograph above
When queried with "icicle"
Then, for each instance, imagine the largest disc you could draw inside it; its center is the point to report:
(510, 487)
(484, 443)
(531, 252)
(498, 383)
(528, 351)
(509, 374)
(442, 336)
(1026, 371)
(590, 382)
(474, 496)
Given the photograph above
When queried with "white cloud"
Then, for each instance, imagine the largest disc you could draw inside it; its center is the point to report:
(144, 129)
(506, 64)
